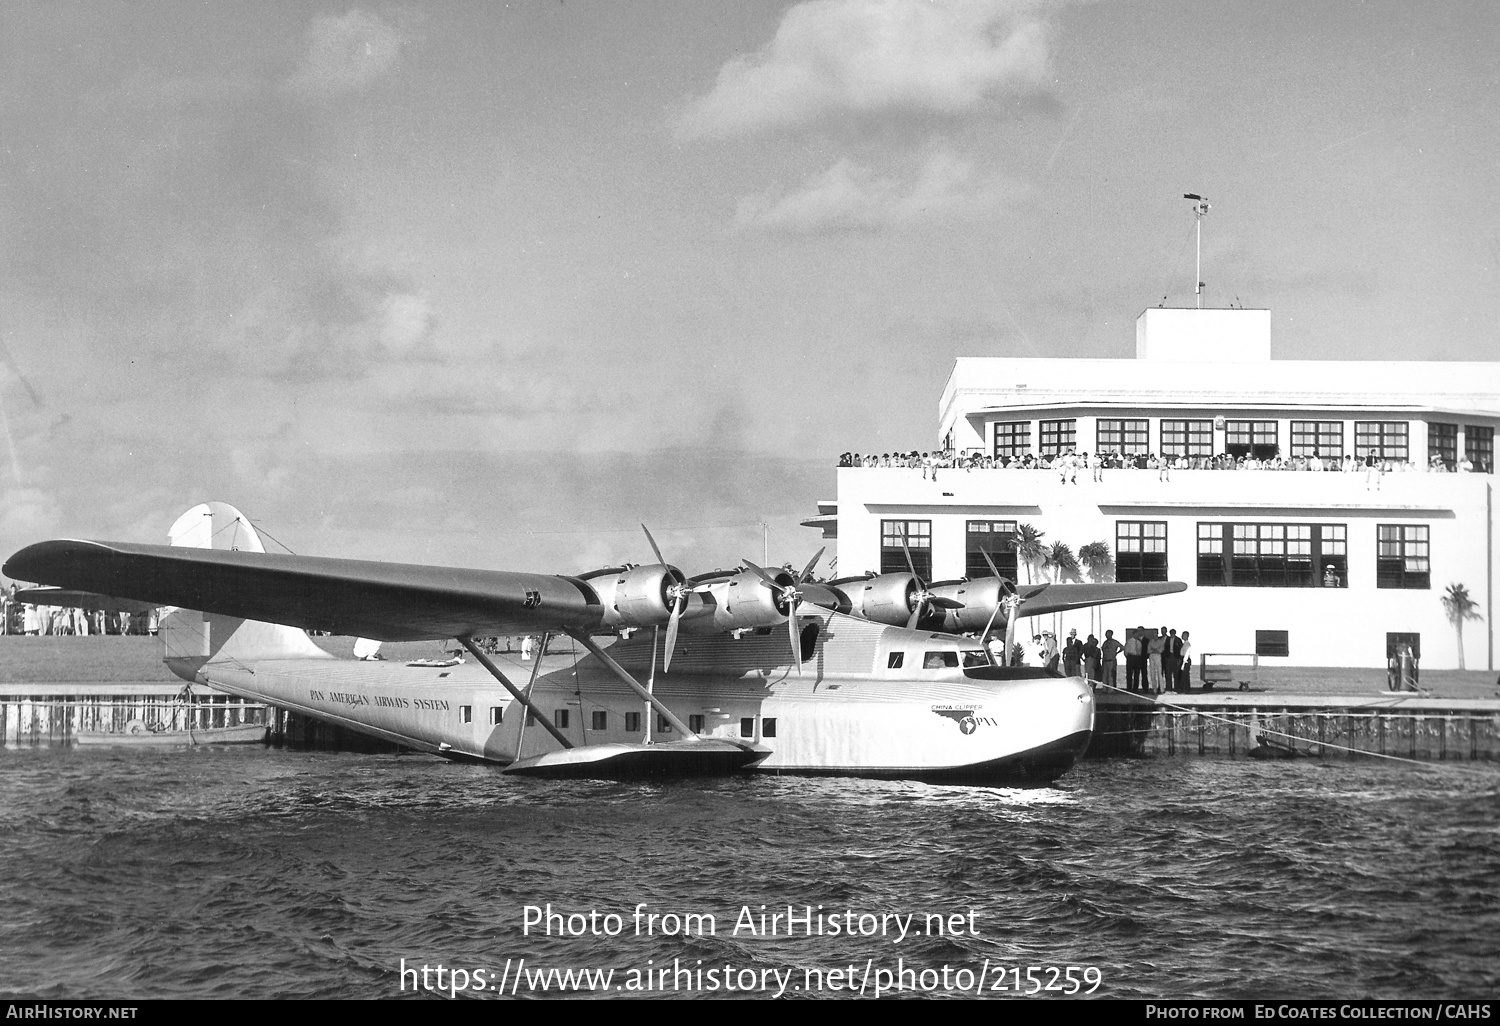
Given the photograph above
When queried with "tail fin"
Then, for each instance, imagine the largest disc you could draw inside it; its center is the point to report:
(189, 638)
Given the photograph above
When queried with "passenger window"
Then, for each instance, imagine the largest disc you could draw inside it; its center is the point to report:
(938, 660)
(894, 663)
(768, 727)
(975, 657)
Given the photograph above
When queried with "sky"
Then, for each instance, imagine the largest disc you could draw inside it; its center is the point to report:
(490, 285)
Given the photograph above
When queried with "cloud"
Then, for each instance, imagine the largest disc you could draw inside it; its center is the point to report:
(345, 55)
(839, 57)
(851, 197)
(405, 321)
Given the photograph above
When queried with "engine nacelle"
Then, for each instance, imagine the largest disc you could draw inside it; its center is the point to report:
(745, 601)
(980, 599)
(637, 596)
(888, 598)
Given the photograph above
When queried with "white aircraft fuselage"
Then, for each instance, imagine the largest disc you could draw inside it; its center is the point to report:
(871, 700)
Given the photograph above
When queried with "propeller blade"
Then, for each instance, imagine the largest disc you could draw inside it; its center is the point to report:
(807, 571)
(791, 627)
(770, 581)
(916, 614)
(944, 602)
(984, 639)
(672, 622)
(907, 550)
(654, 547)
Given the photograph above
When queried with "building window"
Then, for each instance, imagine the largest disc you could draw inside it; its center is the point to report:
(466, 714)
(497, 714)
(1130, 437)
(1442, 444)
(663, 725)
(1395, 639)
(768, 727)
(1058, 436)
(1383, 439)
(747, 726)
(1402, 556)
(1273, 555)
(1140, 550)
(917, 535)
(695, 722)
(1273, 643)
(600, 720)
(1318, 438)
(1251, 438)
(1187, 438)
(1012, 439)
(998, 539)
(632, 723)
(1331, 554)
(560, 719)
(1479, 447)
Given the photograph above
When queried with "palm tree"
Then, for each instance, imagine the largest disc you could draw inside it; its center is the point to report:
(1063, 563)
(1099, 561)
(1064, 566)
(1029, 549)
(1460, 607)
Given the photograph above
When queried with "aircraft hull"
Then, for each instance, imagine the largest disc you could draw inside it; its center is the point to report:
(1027, 731)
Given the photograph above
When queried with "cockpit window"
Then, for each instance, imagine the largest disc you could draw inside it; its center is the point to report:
(939, 660)
(975, 657)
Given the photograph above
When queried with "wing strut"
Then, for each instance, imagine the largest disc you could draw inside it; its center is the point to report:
(619, 671)
(525, 700)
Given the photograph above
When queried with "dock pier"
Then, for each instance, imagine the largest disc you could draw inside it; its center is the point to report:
(1229, 724)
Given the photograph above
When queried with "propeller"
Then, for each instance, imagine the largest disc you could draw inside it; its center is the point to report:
(677, 593)
(1007, 599)
(925, 599)
(789, 596)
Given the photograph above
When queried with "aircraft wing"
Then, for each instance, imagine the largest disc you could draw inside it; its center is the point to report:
(382, 601)
(1059, 598)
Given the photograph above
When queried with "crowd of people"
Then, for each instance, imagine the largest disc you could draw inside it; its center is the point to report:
(1155, 660)
(1069, 464)
(18, 618)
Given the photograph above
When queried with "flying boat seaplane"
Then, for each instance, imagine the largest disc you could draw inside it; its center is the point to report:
(744, 669)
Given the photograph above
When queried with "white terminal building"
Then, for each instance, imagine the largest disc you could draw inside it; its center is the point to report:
(1331, 568)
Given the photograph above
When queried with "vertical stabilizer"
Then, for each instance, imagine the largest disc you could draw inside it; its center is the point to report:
(189, 638)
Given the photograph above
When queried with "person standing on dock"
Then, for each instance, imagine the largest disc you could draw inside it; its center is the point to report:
(1156, 644)
(1093, 670)
(1135, 659)
(1109, 652)
(1171, 660)
(1185, 669)
(1072, 654)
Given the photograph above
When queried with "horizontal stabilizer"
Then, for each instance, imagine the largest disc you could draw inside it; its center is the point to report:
(701, 757)
(381, 601)
(72, 598)
(1059, 598)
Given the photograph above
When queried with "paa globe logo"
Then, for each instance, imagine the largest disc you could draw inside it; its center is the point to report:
(965, 716)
